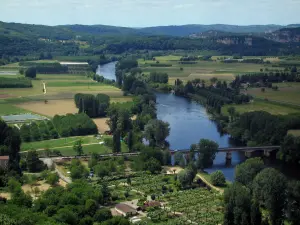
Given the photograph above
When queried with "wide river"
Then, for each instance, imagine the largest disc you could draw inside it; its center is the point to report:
(189, 122)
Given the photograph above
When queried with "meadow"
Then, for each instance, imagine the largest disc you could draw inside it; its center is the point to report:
(202, 70)
(261, 105)
(286, 93)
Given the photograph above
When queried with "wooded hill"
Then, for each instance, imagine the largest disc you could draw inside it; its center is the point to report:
(31, 40)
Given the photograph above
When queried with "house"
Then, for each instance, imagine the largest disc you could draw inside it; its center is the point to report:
(125, 210)
(4, 162)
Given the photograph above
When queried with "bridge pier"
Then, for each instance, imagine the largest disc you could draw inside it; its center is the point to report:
(267, 153)
(228, 156)
(248, 154)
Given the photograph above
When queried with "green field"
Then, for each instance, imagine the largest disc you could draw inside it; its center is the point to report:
(7, 109)
(287, 93)
(56, 143)
(260, 105)
(202, 70)
(65, 145)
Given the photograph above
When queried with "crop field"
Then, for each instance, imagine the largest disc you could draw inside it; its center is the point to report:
(287, 93)
(61, 89)
(202, 70)
(260, 105)
(198, 206)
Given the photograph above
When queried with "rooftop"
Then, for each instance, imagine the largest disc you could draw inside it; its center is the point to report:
(125, 208)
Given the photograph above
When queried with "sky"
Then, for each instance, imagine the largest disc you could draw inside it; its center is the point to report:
(144, 13)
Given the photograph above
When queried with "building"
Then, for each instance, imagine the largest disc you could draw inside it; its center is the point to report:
(125, 210)
(4, 162)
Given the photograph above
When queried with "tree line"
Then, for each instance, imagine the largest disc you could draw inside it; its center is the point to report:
(93, 106)
(37, 131)
(265, 79)
(157, 77)
(15, 82)
(262, 128)
(45, 68)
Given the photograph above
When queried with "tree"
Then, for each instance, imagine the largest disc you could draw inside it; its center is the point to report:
(30, 72)
(90, 207)
(293, 202)
(116, 141)
(78, 171)
(102, 215)
(52, 179)
(207, 150)
(237, 199)
(231, 111)
(130, 141)
(186, 176)
(153, 165)
(256, 217)
(269, 189)
(218, 178)
(156, 132)
(246, 172)
(21, 71)
(34, 164)
(77, 147)
(289, 149)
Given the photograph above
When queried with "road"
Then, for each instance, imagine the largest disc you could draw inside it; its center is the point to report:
(209, 184)
(49, 162)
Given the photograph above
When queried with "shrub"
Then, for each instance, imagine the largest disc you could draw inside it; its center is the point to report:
(218, 178)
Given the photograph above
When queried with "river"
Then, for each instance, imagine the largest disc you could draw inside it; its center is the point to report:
(107, 70)
(189, 122)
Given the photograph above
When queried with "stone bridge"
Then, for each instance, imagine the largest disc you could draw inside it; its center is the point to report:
(248, 150)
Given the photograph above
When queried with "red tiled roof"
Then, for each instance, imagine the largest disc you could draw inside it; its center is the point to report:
(5, 157)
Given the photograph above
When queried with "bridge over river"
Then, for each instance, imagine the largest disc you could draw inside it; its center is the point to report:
(248, 150)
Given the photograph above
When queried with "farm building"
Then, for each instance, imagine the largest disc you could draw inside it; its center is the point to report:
(125, 210)
(4, 162)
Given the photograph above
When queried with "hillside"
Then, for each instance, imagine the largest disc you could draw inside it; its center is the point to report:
(72, 40)
(186, 30)
(285, 35)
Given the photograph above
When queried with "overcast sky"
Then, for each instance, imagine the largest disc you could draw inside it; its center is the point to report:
(142, 13)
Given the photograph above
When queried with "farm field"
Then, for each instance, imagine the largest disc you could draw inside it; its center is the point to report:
(202, 70)
(287, 93)
(90, 144)
(55, 143)
(260, 105)
(61, 89)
